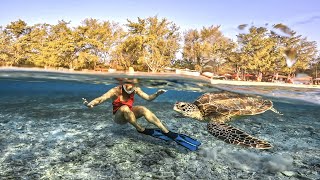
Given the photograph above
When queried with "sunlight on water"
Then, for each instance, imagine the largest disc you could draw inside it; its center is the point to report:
(169, 83)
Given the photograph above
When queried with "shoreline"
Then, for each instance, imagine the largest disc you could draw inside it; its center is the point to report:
(159, 75)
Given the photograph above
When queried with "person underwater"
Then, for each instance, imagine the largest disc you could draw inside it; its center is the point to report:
(125, 112)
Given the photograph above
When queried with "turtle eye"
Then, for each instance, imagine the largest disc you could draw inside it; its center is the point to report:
(183, 105)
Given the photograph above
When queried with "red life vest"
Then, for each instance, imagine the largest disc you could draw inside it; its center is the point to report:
(117, 103)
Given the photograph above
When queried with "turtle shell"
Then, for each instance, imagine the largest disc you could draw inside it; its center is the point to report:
(231, 104)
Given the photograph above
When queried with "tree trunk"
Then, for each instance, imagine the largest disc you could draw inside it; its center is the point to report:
(259, 79)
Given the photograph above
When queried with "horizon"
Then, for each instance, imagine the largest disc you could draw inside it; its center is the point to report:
(302, 17)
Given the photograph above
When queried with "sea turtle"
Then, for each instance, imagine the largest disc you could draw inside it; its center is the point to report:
(218, 108)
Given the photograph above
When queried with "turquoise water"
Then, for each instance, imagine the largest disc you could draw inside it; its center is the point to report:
(46, 132)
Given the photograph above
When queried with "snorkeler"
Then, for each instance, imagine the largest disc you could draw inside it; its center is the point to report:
(124, 112)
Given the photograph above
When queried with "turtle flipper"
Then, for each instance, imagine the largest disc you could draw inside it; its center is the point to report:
(236, 136)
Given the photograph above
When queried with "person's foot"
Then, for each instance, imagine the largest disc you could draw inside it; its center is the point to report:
(172, 135)
(146, 131)
(157, 133)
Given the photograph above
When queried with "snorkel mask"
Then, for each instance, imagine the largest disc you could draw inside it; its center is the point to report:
(128, 91)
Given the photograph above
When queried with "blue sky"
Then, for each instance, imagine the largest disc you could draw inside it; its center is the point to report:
(302, 16)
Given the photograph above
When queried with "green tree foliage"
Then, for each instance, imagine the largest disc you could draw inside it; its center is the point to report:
(208, 45)
(62, 41)
(258, 51)
(263, 53)
(15, 42)
(95, 41)
(45, 45)
(17, 29)
(41, 53)
(192, 49)
(150, 43)
(4, 52)
(315, 67)
(50, 45)
(298, 54)
(128, 52)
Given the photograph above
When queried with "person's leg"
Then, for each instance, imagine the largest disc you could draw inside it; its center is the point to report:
(125, 114)
(181, 139)
(119, 118)
(140, 111)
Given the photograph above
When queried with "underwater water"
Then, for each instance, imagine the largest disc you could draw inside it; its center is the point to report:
(46, 132)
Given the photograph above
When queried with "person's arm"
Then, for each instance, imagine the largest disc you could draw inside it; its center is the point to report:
(101, 99)
(149, 97)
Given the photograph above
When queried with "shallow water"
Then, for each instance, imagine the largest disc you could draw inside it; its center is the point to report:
(47, 133)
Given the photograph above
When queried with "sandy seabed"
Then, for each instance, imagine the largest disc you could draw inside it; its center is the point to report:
(46, 133)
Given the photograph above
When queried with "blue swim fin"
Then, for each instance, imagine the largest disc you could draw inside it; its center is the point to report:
(189, 139)
(157, 133)
(184, 140)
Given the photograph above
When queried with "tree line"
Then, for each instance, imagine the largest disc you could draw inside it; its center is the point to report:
(152, 44)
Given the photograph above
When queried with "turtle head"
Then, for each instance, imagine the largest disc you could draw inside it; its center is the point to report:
(188, 110)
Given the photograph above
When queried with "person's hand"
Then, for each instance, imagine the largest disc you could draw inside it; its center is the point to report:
(161, 91)
(85, 102)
